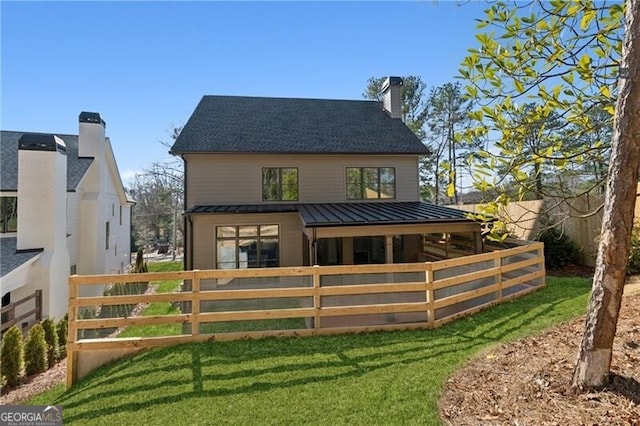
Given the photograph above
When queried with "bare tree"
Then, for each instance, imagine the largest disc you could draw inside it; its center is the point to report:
(159, 193)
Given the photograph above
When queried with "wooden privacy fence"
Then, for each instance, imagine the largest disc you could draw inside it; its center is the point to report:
(8, 313)
(300, 301)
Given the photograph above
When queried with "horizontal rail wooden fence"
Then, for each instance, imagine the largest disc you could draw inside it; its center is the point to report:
(8, 313)
(302, 301)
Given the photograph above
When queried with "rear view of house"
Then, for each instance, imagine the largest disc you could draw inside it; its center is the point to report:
(63, 211)
(294, 182)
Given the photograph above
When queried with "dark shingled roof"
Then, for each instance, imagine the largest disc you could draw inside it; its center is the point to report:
(282, 125)
(10, 259)
(76, 167)
(348, 214)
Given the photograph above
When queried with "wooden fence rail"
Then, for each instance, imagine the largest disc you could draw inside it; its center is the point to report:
(8, 313)
(326, 299)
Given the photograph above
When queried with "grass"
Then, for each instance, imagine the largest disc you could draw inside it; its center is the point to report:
(159, 308)
(375, 378)
(166, 308)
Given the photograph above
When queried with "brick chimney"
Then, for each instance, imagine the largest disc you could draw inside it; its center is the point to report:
(42, 218)
(392, 96)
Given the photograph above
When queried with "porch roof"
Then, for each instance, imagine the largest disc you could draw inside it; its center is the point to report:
(11, 258)
(349, 214)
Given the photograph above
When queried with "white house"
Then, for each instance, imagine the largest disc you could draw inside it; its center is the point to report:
(63, 210)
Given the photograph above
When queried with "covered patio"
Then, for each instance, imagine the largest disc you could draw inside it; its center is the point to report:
(368, 232)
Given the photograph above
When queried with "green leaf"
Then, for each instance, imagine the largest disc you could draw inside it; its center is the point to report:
(472, 91)
(518, 85)
(572, 10)
(451, 190)
(585, 62)
(586, 19)
(542, 26)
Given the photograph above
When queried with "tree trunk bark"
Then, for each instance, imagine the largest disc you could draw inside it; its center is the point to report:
(594, 360)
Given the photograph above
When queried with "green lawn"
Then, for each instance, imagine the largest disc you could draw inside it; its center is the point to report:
(166, 308)
(375, 378)
(159, 308)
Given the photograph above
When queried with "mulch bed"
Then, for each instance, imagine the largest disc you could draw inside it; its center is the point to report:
(528, 382)
(33, 385)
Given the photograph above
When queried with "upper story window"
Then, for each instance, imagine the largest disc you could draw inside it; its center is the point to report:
(371, 183)
(279, 184)
(8, 214)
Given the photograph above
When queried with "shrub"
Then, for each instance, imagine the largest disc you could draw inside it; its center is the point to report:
(87, 313)
(35, 351)
(633, 264)
(12, 356)
(62, 328)
(140, 265)
(559, 249)
(51, 338)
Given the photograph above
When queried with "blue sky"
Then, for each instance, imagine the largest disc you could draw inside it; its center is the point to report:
(145, 65)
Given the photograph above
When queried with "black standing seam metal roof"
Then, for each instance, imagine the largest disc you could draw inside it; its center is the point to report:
(10, 258)
(76, 166)
(240, 124)
(349, 214)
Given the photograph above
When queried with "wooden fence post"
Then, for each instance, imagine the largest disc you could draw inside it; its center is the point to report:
(195, 303)
(72, 333)
(431, 312)
(316, 297)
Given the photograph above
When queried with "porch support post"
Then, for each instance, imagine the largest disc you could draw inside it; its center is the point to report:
(388, 246)
(478, 242)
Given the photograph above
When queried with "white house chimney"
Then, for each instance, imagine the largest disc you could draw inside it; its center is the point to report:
(392, 96)
(42, 221)
(91, 136)
(42, 191)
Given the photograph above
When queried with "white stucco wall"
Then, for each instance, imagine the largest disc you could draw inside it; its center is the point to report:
(100, 201)
(42, 223)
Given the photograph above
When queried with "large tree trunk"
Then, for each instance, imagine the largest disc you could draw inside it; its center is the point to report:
(594, 361)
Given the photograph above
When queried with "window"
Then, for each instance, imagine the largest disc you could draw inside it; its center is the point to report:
(247, 246)
(371, 183)
(107, 231)
(280, 184)
(368, 250)
(8, 214)
(120, 215)
(6, 301)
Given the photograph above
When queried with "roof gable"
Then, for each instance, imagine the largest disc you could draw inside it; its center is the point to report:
(76, 166)
(237, 124)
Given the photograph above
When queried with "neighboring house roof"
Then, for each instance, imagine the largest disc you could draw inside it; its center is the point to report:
(10, 258)
(76, 166)
(349, 214)
(237, 124)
